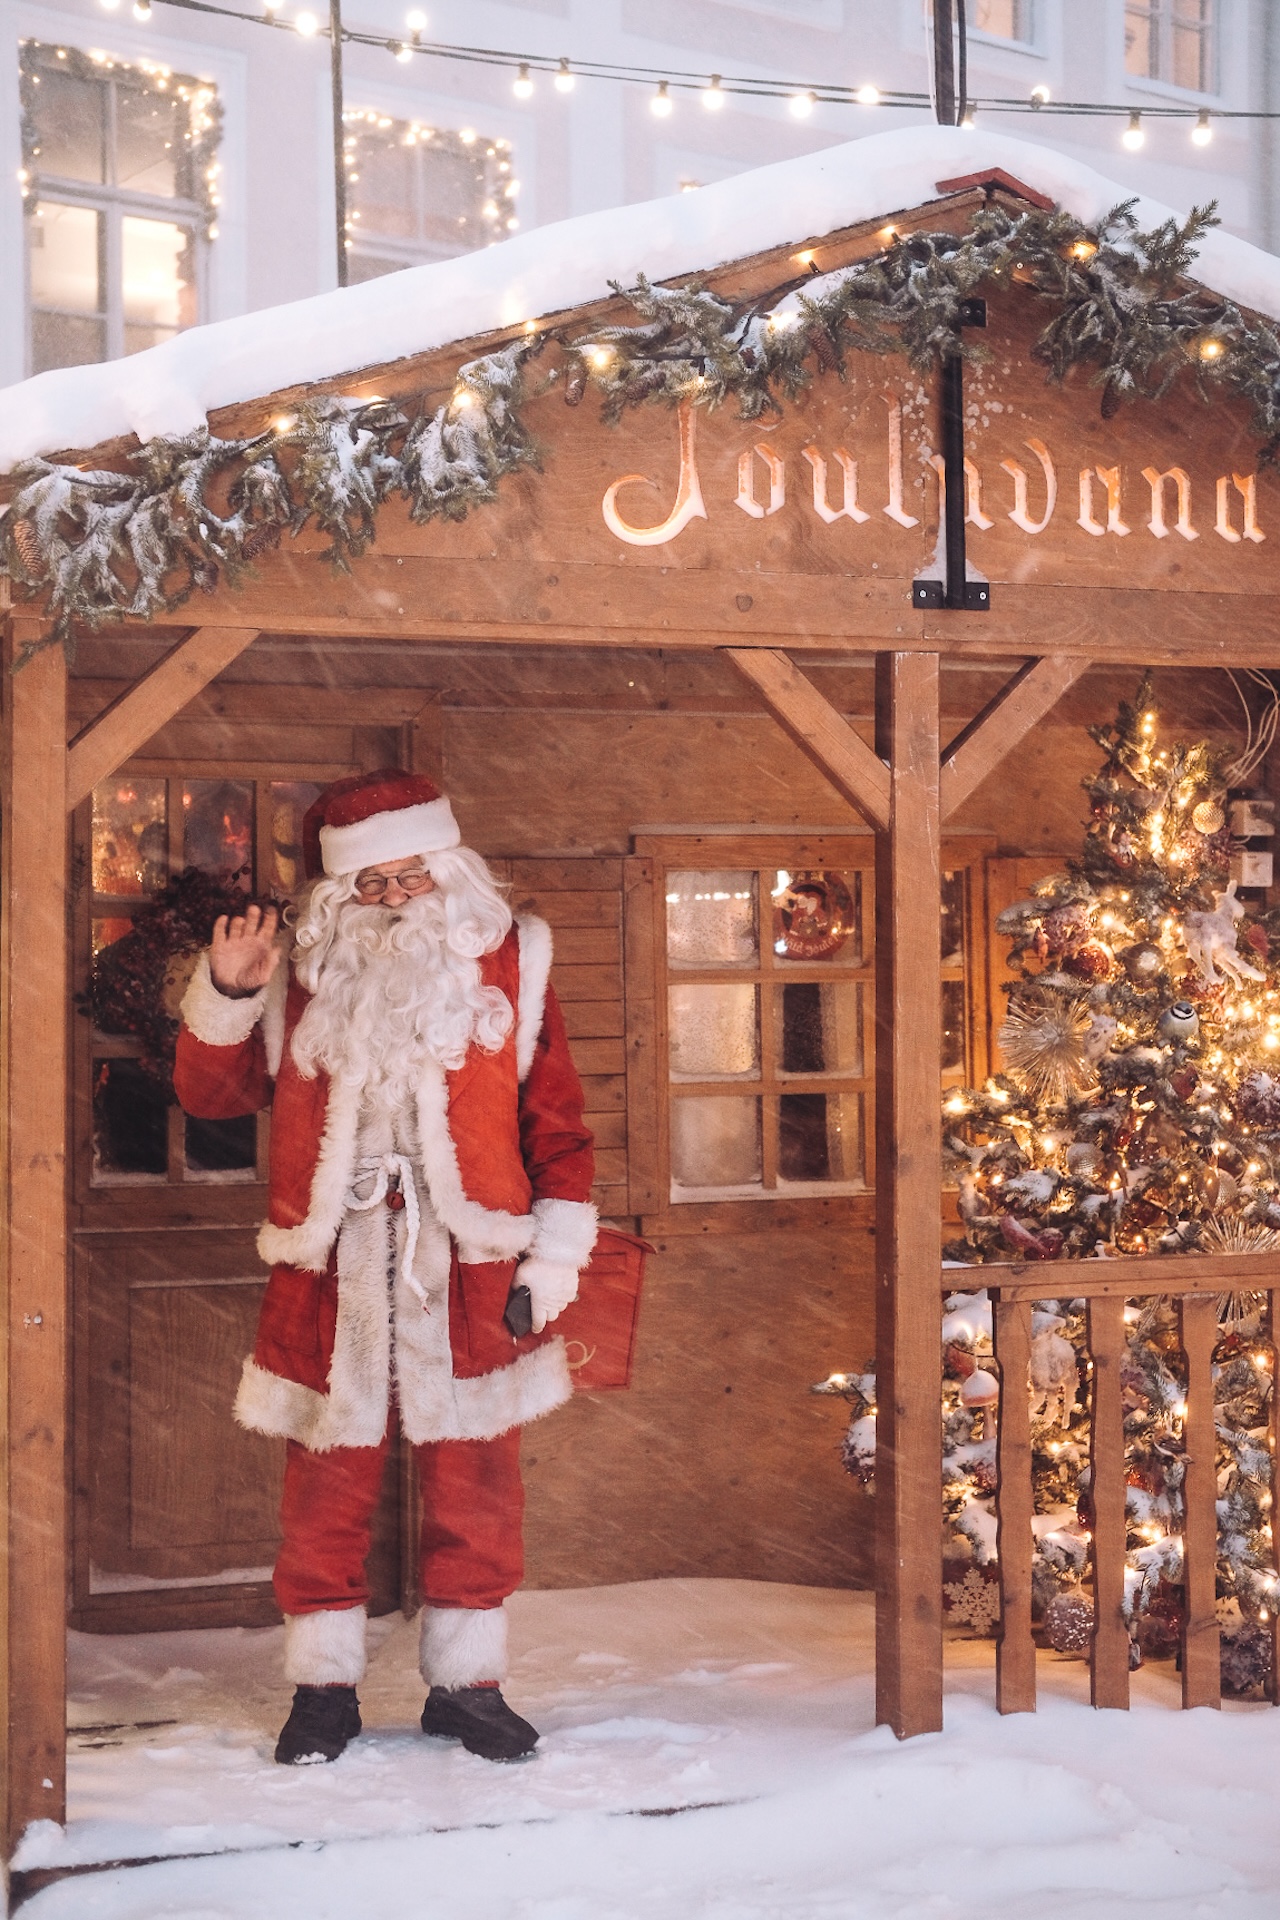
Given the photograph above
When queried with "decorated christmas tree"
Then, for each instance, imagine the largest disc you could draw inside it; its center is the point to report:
(1138, 1112)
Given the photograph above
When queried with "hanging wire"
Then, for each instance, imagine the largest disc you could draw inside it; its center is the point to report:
(1259, 737)
(745, 86)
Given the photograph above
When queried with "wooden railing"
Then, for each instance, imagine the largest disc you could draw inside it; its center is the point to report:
(1196, 1281)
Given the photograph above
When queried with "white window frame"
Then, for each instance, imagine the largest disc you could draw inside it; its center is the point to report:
(1169, 89)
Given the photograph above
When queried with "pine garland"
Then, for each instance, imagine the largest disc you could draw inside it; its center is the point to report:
(186, 512)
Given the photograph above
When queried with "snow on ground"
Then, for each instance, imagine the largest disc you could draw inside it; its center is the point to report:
(748, 1705)
(171, 388)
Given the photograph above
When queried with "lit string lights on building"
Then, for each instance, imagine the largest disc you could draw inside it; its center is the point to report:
(713, 91)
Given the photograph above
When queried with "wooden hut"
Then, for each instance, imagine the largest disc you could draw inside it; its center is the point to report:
(683, 664)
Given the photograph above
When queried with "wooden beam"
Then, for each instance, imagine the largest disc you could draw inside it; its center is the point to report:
(1015, 1542)
(130, 721)
(1201, 1658)
(978, 750)
(819, 730)
(33, 1233)
(1109, 1654)
(1130, 1276)
(908, 1025)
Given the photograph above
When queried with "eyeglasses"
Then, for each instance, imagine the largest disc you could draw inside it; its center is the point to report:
(372, 886)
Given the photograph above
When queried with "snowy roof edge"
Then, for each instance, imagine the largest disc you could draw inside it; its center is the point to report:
(172, 388)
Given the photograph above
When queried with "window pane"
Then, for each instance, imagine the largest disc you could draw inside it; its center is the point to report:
(289, 802)
(69, 124)
(156, 287)
(130, 836)
(715, 1032)
(218, 828)
(715, 1142)
(711, 919)
(130, 1124)
(1191, 56)
(820, 1026)
(65, 249)
(953, 1025)
(953, 918)
(819, 1137)
(1141, 41)
(371, 266)
(1007, 18)
(816, 916)
(148, 139)
(380, 181)
(434, 191)
(106, 932)
(221, 1149)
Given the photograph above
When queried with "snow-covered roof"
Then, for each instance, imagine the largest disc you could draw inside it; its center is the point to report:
(172, 388)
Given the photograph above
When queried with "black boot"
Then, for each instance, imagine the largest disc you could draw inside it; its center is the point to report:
(481, 1719)
(321, 1722)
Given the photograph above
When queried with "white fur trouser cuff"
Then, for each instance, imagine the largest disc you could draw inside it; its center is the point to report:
(463, 1645)
(325, 1649)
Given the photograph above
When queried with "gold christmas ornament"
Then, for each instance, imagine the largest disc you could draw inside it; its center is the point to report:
(1044, 1046)
(1208, 817)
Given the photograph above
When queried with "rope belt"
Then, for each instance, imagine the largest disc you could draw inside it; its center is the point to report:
(393, 1182)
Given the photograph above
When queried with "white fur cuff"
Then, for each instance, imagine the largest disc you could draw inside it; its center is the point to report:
(324, 1649)
(460, 1646)
(564, 1232)
(214, 1017)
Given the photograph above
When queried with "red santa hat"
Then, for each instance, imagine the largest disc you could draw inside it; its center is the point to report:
(371, 817)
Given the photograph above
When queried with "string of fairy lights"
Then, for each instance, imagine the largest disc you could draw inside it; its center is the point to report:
(712, 91)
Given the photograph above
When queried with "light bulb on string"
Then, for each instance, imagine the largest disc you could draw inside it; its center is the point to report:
(1202, 132)
(522, 85)
(1133, 137)
(713, 96)
(970, 120)
(802, 105)
(868, 96)
(416, 21)
(564, 80)
(661, 105)
(306, 24)
(1040, 96)
(142, 9)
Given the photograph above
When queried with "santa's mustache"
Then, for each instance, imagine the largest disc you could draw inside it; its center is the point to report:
(416, 926)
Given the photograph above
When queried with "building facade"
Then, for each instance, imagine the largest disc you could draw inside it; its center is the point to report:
(170, 167)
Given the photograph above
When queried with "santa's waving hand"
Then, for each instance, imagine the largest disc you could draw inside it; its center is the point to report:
(427, 1154)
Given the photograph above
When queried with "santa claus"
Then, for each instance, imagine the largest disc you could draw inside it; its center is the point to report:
(427, 1157)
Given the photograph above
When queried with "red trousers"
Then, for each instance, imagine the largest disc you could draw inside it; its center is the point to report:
(472, 1547)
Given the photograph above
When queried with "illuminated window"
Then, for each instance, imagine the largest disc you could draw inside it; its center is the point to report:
(417, 193)
(1171, 40)
(1004, 19)
(120, 185)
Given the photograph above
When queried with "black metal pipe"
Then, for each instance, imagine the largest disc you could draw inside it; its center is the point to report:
(339, 138)
(944, 64)
(954, 476)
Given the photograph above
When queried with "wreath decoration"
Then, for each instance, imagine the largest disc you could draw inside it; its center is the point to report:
(137, 982)
(185, 511)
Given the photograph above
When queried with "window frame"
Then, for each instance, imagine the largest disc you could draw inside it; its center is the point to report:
(114, 204)
(647, 977)
(1162, 13)
(396, 251)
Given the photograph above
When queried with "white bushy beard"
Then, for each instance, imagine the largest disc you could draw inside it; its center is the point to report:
(395, 987)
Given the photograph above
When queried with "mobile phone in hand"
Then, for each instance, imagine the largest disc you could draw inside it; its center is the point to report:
(518, 1318)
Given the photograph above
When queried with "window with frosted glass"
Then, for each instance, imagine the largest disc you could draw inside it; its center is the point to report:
(120, 183)
(417, 192)
(1004, 19)
(769, 1002)
(1172, 40)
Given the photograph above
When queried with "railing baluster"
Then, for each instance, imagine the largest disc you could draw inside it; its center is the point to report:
(1273, 1438)
(1016, 1651)
(1201, 1672)
(1109, 1656)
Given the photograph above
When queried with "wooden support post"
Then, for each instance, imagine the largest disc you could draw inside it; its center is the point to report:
(131, 720)
(994, 733)
(1201, 1672)
(1109, 1659)
(33, 1232)
(819, 730)
(908, 1213)
(1016, 1650)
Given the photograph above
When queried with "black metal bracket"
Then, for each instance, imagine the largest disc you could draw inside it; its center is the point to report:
(956, 591)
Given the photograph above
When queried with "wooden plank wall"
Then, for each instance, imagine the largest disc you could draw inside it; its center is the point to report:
(581, 900)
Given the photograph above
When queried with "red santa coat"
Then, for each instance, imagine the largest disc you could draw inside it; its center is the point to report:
(503, 1168)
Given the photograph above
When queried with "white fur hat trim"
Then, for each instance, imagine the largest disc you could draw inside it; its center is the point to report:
(395, 835)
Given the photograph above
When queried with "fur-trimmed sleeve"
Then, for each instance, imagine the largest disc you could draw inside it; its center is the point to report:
(557, 1147)
(220, 1068)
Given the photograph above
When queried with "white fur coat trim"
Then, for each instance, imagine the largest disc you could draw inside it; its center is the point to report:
(215, 1018)
(535, 972)
(564, 1232)
(482, 1233)
(535, 1384)
(277, 989)
(325, 1649)
(309, 1245)
(459, 1646)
